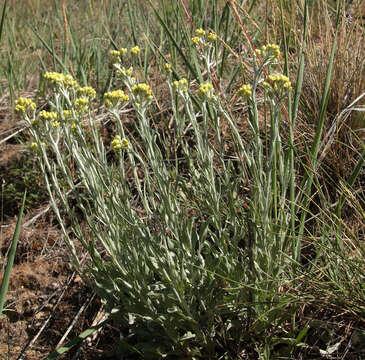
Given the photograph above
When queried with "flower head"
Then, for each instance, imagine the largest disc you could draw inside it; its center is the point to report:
(114, 53)
(122, 51)
(115, 98)
(135, 50)
(34, 146)
(48, 115)
(125, 74)
(67, 114)
(143, 91)
(24, 106)
(195, 40)
(118, 143)
(168, 68)
(181, 85)
(86, 91)
(81, 104)
(278, 82)
(269, 52)
(200, 32)
(244, 91)
(58, 79)
(212, 36)
(205, 91)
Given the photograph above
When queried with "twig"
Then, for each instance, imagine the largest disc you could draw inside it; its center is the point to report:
(82, 309)
(31, 342)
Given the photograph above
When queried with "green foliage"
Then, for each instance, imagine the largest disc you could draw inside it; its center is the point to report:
(19, 176)
(197, 228)
(6, 277)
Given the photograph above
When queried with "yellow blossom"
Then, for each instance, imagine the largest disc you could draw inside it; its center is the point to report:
(69, 82)
(123, 72)
(195, 40)
(205, 91)
(119, 143)
(135, 50)
(114, 53)
(212, 36)
(269, 52)
(122, 51)
(48, 115)
(181, 84)
(244, 91)
(168, 68)
(24, 105)
(55, 78)
(86, 91)
(81, 104)
(114, 98)
(67, 114)
(200, 32)
(33, 146)
(142, 90)
(278, 82)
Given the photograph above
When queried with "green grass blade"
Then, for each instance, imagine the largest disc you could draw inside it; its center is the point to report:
(351, 182)
(325, 94)
(132, 22)
(178, 48)
(316, 143)
(293, 115)
(6, 279)
(50, 50)
(2, 19)
(299, 82)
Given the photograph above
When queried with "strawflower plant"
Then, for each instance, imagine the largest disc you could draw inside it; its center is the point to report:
(194, 252)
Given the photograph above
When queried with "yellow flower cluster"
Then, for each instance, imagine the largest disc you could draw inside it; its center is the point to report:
(125, 72)
(114, 98)
(269, 51)
(67, 114)
(135, 50)
(81, 104)
(201, 34)
(195, 40)
(49, 116)
(123, 51)
(34, 146)
(168, 68)
(143, 91)
(116, 55)
(205, 91)
(245, 91)
(24, 105)
(278, 82)
(212, 36)
(55, 78)
(86, 91)
(181, 84)
(119, 143)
